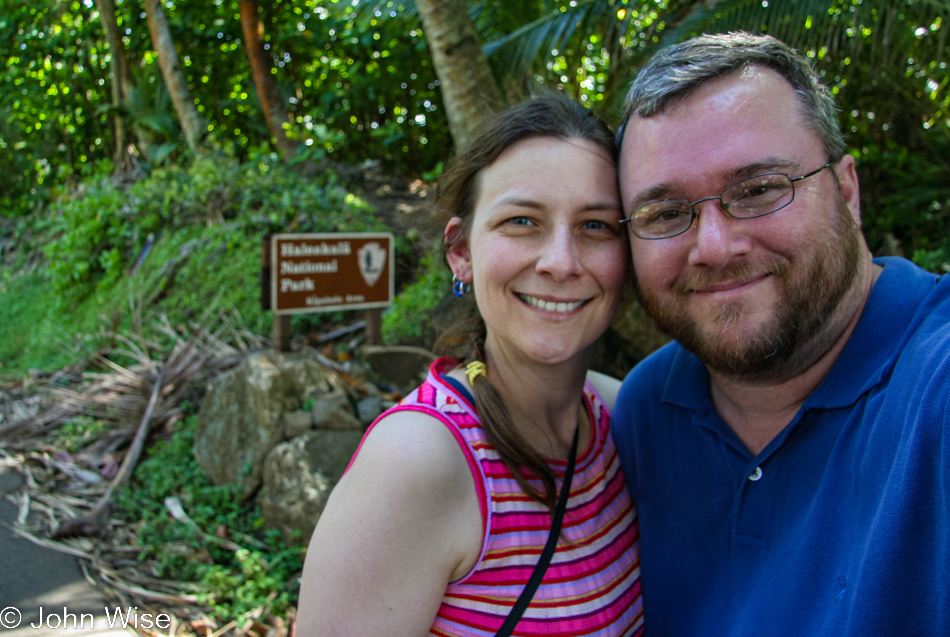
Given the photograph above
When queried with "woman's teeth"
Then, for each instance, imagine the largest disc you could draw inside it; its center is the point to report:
(551, 306)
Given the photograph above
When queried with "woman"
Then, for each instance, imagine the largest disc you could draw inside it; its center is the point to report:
(440, 520)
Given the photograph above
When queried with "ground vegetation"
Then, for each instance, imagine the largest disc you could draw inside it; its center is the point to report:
(132, 214)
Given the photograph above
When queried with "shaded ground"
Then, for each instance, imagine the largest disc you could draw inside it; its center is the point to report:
(40, 583)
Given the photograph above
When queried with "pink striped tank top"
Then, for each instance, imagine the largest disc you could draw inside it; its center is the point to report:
(592, 586)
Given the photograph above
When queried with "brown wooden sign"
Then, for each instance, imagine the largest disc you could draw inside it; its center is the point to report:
(324, 272)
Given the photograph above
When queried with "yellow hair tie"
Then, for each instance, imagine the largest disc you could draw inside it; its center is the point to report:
(475, 369)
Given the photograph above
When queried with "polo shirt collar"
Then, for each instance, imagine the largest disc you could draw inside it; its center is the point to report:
(863, 363)
(687, 384)
(878, 337)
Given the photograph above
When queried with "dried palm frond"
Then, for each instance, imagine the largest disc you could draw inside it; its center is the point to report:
(137, 386)
(119, 394)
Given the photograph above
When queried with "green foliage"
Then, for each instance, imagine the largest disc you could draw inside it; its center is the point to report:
(934, 260)
(203, 225)
(906, 198)
(363, 76)
(409, 317)
(43, 329)
(147, 109)
(20, 300)
(353, 90)
(101, 229)
(36, 332)
(78, 432)
(229, 582)
(92, 225)
(213, 267)
(51, 87)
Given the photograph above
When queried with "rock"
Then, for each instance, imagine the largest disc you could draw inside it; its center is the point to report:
(369, 408)
(298, 477)
(356, 369)
(402, 365)
(240, 417)
(631, 337)
(296, 423)
(333, 411)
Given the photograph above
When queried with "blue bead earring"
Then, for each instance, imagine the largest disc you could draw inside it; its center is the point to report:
(460, 288)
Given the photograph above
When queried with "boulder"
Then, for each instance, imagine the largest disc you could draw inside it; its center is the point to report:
(240, 419)
(298, 477)
(297, 423)
(333, 411)
(369, 408)
(638, 338)
(633, 324)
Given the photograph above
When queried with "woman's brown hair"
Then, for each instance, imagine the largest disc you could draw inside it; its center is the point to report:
(549, 115)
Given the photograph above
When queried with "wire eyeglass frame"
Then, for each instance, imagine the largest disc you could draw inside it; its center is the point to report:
(724, 204)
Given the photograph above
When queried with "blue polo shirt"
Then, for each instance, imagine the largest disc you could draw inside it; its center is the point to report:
(841, 525)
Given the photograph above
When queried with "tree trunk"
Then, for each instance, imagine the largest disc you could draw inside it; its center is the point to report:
(274, 112)
(191, 122)
(469, 91)
(121, 81)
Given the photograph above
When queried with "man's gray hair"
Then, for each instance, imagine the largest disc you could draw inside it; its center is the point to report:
(676, 71)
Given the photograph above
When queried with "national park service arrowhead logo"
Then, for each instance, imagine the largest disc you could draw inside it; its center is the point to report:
(372, 260)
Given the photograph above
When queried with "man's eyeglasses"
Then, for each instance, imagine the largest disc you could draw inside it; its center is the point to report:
(753, 197)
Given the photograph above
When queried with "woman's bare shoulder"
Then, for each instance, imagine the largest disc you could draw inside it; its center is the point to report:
(410, 442)
(401, 523)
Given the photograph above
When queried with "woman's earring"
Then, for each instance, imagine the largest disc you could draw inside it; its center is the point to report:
(460, 288)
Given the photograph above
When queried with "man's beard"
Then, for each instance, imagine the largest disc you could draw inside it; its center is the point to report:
(813, 285)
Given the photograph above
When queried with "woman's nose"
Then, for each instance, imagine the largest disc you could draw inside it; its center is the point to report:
(559, 256)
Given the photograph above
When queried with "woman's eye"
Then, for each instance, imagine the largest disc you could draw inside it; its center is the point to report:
(520, 221)
(600, 225)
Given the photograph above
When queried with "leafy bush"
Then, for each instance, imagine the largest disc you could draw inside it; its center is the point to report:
(203, 225)
(934, 260)
(905, 198)
(98, 232)
(92, 228)
(230, 582)
(407, 320)
(76, 433)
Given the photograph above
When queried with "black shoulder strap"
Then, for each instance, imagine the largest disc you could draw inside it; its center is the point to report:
(528, 593)
(459, 387)
(542, 566)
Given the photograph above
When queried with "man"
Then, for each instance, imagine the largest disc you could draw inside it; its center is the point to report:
(789, 454)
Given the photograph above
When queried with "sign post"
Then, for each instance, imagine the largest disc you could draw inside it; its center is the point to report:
(326, 272)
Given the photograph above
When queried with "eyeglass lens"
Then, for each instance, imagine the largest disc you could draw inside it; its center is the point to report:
(753, 197)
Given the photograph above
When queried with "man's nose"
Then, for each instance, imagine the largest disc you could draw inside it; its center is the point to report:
(718, 237)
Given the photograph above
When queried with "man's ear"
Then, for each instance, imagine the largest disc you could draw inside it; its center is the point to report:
(457, 252)
(849, 187)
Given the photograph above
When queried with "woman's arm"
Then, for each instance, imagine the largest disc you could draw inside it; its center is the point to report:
(401, 524)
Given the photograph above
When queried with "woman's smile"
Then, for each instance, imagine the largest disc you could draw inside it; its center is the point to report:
(551, 305)
(546, 254)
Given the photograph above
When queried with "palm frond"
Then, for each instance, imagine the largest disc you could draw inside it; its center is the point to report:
(839, 28)
(520, 51)
(397, 12)
(493, 18)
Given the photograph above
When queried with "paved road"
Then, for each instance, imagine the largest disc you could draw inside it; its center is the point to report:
(40, 586)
